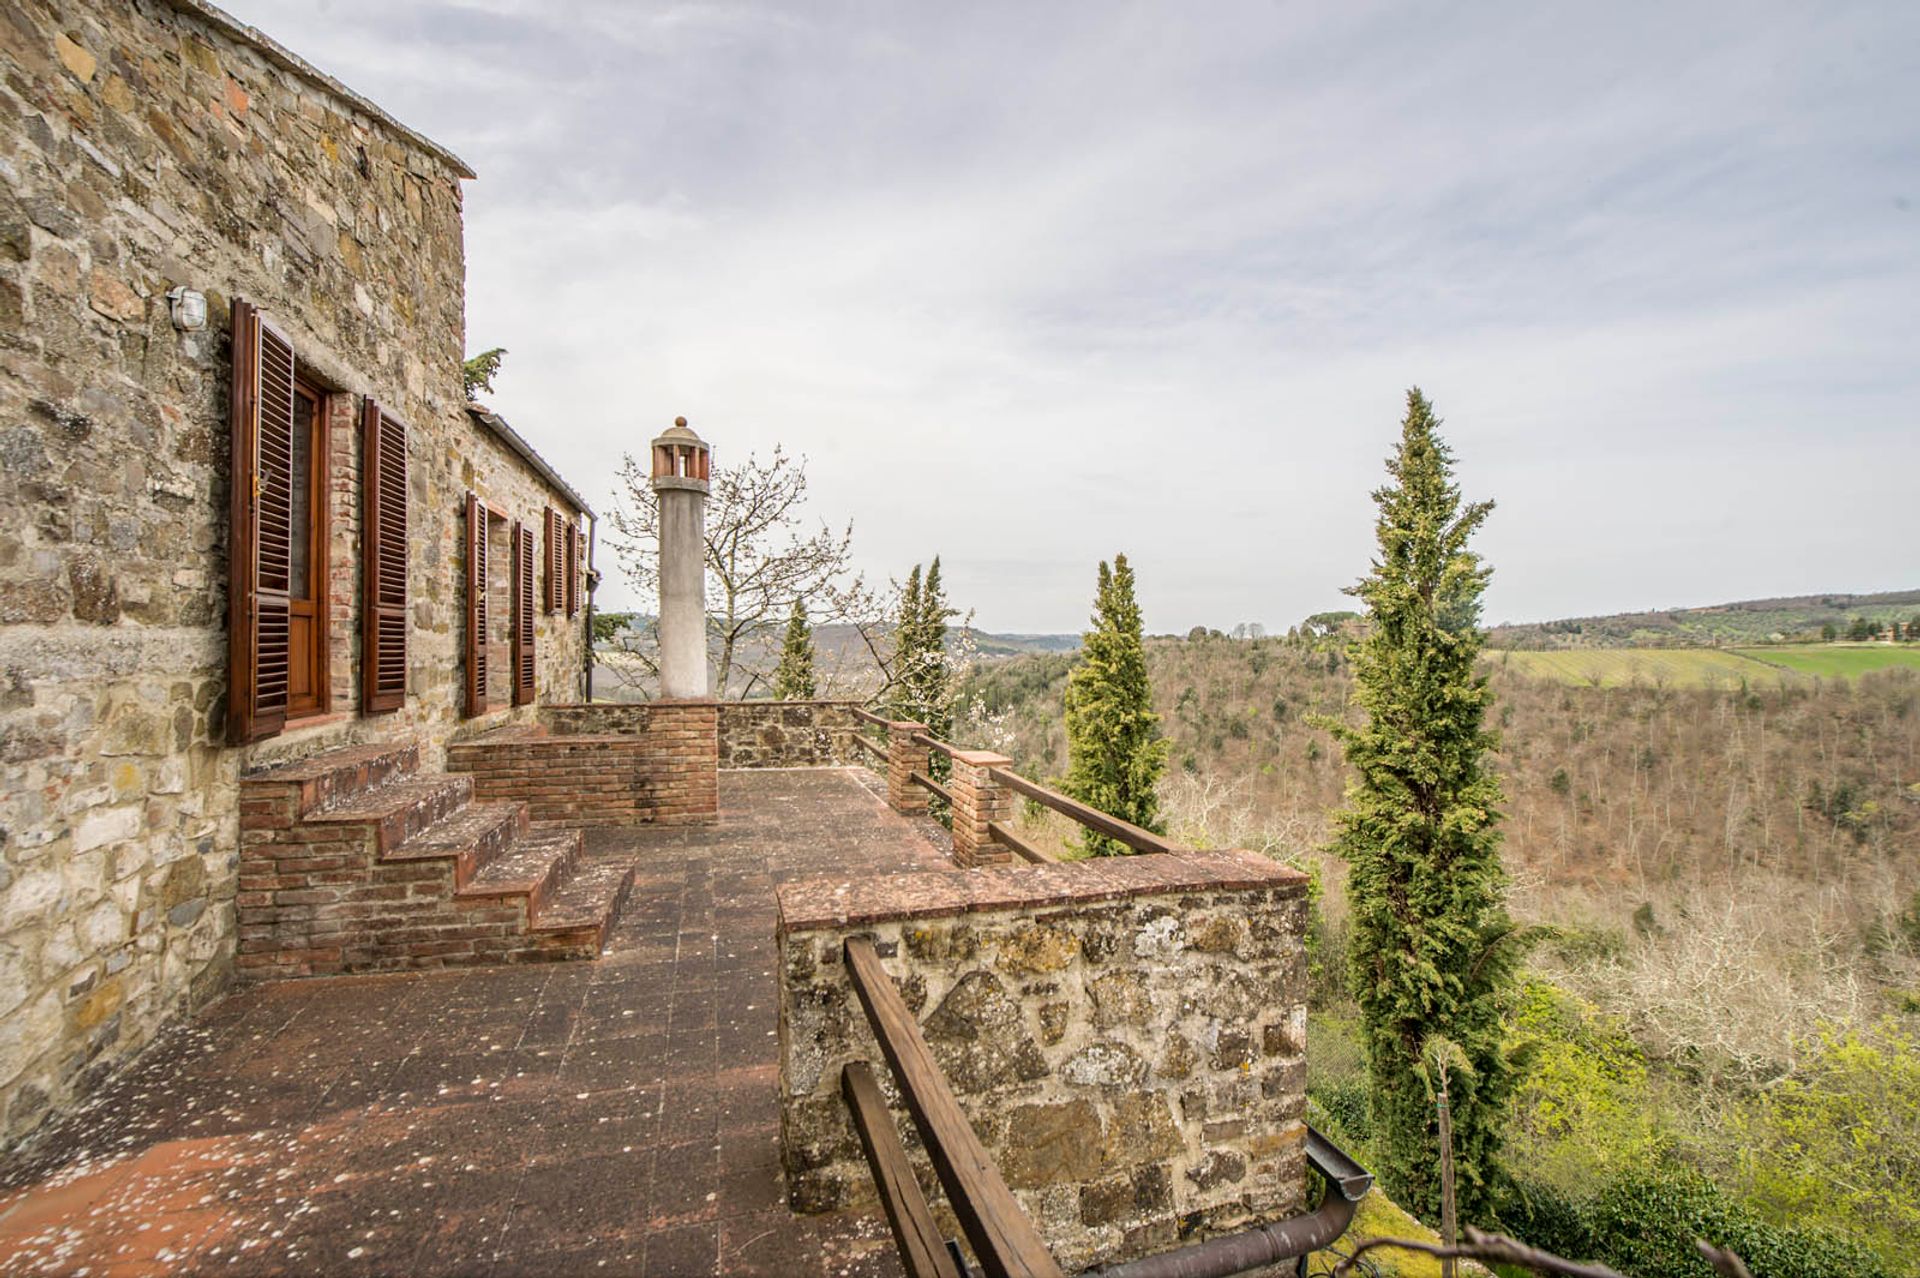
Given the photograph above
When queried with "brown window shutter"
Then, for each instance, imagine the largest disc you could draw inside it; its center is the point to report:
(260, 538)
(556, 561)
(384, 544)
(573, 567)
(476, 606)
(523, 613)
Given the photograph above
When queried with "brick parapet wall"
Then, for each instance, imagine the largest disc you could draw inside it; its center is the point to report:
(978, 802)
(1126, 1036)
(904, 758)
(654, 763)
(787, 734)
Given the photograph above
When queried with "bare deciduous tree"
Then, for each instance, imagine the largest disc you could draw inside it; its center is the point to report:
(761, 557)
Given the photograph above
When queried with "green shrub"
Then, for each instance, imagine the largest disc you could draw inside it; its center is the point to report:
(1543, 1217)
(1583, 1109)
(1345, 1101)
(1837, 1141)
(1645, 1223)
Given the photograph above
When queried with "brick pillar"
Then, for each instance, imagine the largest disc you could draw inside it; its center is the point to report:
(977, 802)
(903, 758)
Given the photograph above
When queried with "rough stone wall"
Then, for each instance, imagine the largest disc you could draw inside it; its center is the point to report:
(602, 765)
(1127, 1039)
(144, 145)
(786, 734)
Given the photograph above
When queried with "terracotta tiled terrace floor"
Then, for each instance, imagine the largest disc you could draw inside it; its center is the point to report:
(612, 1117)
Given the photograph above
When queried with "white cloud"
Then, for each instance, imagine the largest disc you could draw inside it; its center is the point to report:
(1032, 284)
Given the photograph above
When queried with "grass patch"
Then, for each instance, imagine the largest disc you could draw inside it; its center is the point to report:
(1648, 667)
(1837, 660)
(1380, 1217)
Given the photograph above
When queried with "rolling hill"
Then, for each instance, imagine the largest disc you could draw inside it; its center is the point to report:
(1746, 622)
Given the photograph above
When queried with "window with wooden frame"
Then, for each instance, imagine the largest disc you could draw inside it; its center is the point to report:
(477, 632)
(384, 546)
(574, 544)
(553, 596)
(277, 632)
(523, 614)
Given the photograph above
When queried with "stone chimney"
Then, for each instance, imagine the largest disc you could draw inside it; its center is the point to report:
(680, 461)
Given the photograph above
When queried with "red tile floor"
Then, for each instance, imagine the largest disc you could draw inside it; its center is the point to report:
(612, 1117)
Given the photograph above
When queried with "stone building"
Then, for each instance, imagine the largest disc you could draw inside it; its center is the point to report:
(393, 563)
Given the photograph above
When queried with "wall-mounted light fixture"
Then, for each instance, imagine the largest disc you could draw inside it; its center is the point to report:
(188, 308)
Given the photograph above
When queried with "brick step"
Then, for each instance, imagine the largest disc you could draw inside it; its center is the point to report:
(398, 810)
(337, 776)
(588, 899)
(534, 867)
(473, 836)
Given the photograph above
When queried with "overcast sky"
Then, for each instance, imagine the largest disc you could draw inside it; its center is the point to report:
(1029, 284)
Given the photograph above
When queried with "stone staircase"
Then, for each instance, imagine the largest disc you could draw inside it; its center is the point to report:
(355, 861)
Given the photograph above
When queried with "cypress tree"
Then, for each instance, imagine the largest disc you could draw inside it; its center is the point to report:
(1115, 753)
(793, 680)
(920, 674)
(1431, 959)
(935, 708)
(906, 649)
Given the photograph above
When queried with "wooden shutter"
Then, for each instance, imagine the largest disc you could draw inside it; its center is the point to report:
(573, 567)
(384, 545)
(556, 561)
(523, 613)
(476, 605)
(260, 540)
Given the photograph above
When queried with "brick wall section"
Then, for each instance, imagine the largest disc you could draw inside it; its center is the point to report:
(1127, 1036)
(654, 763)
(787, 734)
(904, 758)
(977, 803)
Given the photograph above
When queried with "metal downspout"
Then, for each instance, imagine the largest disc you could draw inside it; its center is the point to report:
(1295, 1237)
(593, 585)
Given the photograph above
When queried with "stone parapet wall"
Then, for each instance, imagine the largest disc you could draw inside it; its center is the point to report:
(602, 765)
(1127, 1037)
(787, 734)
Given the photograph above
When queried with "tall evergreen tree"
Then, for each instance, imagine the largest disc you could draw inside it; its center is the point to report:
(1115, 753)
(936, 703)
(921, 679)
(793, 680)
(906, 649)
(1431, 948)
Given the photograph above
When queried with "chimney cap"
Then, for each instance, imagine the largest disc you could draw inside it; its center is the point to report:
(680, 433)
(681, 459)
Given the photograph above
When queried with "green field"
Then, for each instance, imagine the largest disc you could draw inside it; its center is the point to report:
(1831, 660)
(1706, 667)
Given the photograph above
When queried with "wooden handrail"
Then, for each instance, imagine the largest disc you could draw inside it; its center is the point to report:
(923, 1254)
(1124, 832)
(1017, 845)
(1093, 818)
(867, 716)
(1003, 1239)
(926, 782)
(934, 744)
(871, 745)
